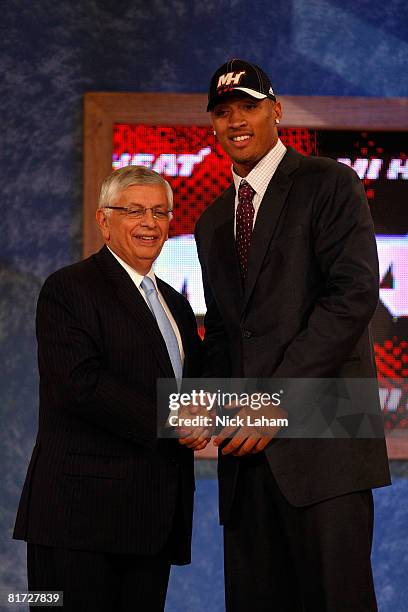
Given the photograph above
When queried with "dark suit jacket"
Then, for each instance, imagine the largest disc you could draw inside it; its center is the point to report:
(99, 479)
(311, 290)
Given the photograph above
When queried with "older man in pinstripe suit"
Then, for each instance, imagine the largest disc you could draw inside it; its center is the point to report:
(107, 507)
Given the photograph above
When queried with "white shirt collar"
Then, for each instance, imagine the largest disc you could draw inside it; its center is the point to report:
(135, 276)
(262, 173)
(137, 279)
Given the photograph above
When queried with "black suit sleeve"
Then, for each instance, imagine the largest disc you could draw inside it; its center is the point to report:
(73, 367)
(345, 249)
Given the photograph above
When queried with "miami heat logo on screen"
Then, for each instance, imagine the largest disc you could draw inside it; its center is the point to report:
(191, 159)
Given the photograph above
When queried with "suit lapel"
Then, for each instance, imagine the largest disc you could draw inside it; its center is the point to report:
(131, 298)
(224, 257)
(268, 216)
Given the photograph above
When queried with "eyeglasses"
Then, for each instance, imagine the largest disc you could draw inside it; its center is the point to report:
(139, 211)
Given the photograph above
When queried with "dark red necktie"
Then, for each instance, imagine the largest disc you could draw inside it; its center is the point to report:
(244, 221)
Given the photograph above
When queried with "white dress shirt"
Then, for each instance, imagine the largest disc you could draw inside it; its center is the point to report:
(260, 176)
(137, 279)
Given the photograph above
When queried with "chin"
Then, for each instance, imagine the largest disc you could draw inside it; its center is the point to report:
(245, 160)
(240, 157)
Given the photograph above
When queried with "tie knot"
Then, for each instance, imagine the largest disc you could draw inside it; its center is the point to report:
(245, 192)
(148, 285)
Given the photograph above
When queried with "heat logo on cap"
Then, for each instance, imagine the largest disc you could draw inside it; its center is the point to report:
(230, 79)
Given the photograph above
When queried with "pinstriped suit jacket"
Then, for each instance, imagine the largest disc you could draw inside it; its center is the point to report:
(98, 478)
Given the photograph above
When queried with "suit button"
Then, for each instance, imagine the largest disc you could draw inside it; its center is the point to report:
(247, 333)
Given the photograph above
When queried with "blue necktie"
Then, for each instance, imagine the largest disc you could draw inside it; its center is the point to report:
(164, 324)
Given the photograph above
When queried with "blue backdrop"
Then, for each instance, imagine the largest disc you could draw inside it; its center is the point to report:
(51, 54)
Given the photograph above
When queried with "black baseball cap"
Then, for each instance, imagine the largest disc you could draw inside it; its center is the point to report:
(238, 76)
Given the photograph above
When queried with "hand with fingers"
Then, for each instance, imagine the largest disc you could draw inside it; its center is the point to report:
(249, 431)
(198, 436)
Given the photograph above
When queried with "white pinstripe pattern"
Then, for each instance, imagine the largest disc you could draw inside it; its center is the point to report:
(260, 176)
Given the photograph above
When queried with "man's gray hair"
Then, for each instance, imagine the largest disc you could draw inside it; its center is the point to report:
(127, 176)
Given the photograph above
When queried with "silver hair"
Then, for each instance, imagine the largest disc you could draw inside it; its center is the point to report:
(127, 176)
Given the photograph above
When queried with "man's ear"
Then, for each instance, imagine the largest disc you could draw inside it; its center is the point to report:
(278, 111)
(102, 221)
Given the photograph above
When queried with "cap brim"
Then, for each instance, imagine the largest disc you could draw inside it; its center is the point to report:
(237, 90)
(251, 92)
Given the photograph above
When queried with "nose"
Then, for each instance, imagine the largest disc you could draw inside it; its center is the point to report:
(237, 118)
(148, 220)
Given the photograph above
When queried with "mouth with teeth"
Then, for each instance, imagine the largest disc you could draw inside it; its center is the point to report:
(146, 239)
(241, 140)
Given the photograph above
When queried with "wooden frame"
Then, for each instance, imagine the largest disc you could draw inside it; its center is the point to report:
(102, 110)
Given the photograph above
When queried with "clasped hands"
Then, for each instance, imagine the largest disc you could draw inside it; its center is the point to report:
(194, 436)
(247, 431)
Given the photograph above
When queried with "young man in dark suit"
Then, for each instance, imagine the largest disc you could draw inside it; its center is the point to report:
(290, 274)
(106, 505)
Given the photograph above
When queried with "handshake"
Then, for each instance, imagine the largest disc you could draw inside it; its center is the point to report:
(194, 422)
(239, 429)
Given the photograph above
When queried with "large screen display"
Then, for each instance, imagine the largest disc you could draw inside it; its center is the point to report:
(197, 168)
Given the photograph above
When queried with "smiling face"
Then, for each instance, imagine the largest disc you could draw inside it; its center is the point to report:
(137, 241)
(246, 129)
